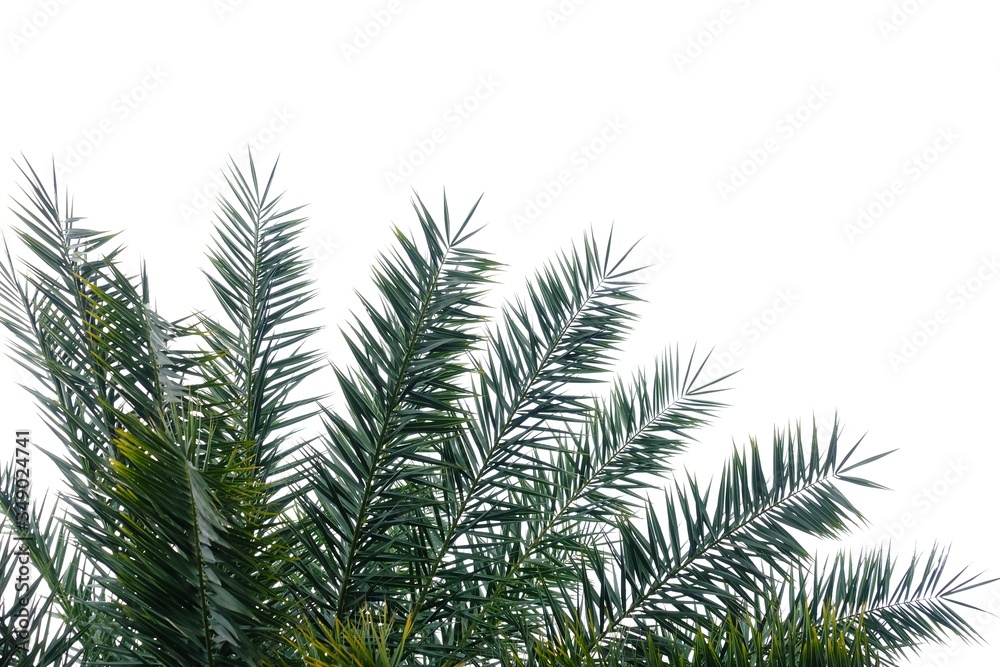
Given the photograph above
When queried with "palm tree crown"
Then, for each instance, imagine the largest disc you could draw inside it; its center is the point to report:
(487, 491)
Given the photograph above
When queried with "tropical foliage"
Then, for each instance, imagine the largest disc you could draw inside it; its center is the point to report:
(485, 489)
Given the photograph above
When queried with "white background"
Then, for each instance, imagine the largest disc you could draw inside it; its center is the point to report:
(140, 104)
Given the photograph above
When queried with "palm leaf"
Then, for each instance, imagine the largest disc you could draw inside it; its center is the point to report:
(403, 397)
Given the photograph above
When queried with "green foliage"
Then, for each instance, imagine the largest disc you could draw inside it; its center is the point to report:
(487, 491)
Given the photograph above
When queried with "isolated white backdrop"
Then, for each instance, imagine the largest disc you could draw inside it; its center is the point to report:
(739, 139)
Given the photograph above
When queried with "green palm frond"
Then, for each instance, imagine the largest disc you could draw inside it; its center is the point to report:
(629, 437)
(47, 313)
(404, 397)
(769, 638)
(705, 554)
(183, 563)
(899, 609)
(634, 433)
(44, 570)
(260, 280)
(526, 386)
(168, 499)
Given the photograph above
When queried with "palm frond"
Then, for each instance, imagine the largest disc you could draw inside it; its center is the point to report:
(561, 336)
(898, 609)
(627, 441)
(700, 559)
(761, 638)
(404, 396)
(166, 446)
(49, 611)
(260, 281)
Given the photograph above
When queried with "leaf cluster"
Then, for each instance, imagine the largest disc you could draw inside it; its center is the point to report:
(490, 490)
